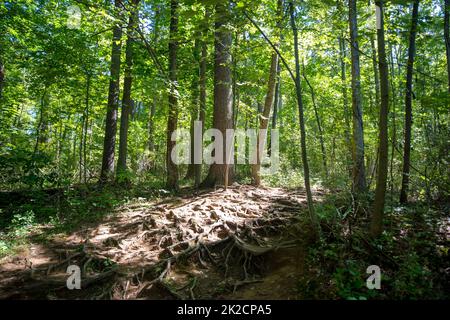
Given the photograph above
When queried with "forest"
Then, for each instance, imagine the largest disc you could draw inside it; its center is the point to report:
(225, 149)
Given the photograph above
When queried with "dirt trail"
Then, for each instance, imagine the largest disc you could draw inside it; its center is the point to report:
(242, 243)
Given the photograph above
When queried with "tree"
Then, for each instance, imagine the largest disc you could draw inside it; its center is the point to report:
(126, 97)
(202, 85)
(376, 226)
(298, 90)
(447, 36)
(318, 121)
(172, 169)
(359, 175)
(408, 102)
(113, 100)
(222, 173)
(264, 117)
(342, 55)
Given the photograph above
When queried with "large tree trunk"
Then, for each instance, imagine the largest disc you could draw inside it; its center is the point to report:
(408, 102)
(109, 143)
(264, 117)
(172, 169)
(376, 226)
(222, 174)
(447, 36)
(126, 97)
(359, 175)
(298, 90)
(202, 98)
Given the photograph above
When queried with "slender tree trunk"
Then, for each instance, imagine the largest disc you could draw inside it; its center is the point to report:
(41, 126)
(345, 102)
(152, 111)
(359, 175)
(109, 143)
(276, 102)
(376, 226)
(202, 85)
(2, 77)
(151, 138)
(277, 98)
(86, 124)
(408, 102)
(126, 97)
(222, 174)
(264, 117)
(195, 105)
(172, 169)
(298, 88)
(375, 71)
(319, 124)
(447, 36)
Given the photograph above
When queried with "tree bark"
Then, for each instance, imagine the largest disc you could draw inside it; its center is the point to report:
(408, 102)
(222, 174)
(376, 226)
(172, 169)
(359, 175)
(109, 143)
(126, 97)
(298, 88)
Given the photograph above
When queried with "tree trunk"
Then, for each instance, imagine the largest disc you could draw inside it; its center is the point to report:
(319, 124)
(195, 105)
(408, 102)
(202, 85)
(298, 88)
(359, 175)
(345, 102)
(126, 97)
(172, 169)
(264, 117)
(222, 174)
(375, 71)
(447, 36)
(376, 226)
(151, 138)
(109, 143)
(2, 77)
(86, 124)
(277, 98)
